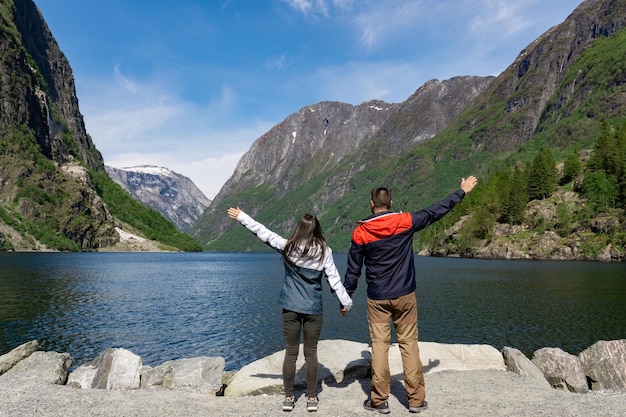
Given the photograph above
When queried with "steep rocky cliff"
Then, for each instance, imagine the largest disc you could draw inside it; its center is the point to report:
(173, 195)
(539, 87)
(45, 150)
(52, 178)
(38, 88)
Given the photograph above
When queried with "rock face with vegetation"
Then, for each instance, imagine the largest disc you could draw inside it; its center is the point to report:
(173, 195)
(54, 191)
(571, 211)
(530, 135)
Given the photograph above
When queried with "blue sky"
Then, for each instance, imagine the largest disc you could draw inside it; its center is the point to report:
(191, 84)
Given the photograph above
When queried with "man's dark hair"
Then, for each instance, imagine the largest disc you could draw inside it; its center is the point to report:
(381, 197)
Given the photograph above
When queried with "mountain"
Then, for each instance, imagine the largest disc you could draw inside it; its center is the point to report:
(173, 195)
(556, 93)
(312, 154)
(54, 191)
(548, 83)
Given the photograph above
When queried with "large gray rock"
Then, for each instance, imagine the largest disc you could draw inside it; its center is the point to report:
(8, 360)
(51, 367)
(561, 369)
(338, 359)
(517, 362)
(199, 374)
(438, 357)
(604, 363)
(152, 377)
(344, 360)
(115, 368)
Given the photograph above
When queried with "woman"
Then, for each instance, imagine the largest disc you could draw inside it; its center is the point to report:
(307, 258)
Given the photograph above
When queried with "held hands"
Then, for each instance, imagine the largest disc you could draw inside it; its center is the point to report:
(233, 213)
(468, 184)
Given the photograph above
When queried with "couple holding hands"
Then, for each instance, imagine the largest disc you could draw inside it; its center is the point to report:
(383, 242)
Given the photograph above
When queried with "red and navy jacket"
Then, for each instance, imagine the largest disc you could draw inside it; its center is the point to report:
(383, 242)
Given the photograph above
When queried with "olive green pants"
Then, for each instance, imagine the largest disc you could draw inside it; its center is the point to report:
(402, 311)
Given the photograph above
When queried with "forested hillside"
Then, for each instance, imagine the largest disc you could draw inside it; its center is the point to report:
(540, 209)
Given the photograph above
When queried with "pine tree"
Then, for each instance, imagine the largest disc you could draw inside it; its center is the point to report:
(605, 182)
(572, 168)
(542, 177)
(602, 153)
(620, 159)
(517, 197)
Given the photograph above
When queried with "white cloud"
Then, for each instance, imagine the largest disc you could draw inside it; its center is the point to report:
(381, 21)
(150, 125)
(209, 160)
(325, 7)
(499, 16)
(356, 82)
(277, 63)
(123, 81)
(308, 7)
(211, 173)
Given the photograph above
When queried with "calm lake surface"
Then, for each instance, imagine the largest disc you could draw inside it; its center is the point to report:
(165, 306)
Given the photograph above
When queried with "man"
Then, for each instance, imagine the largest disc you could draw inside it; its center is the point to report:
(384, 243)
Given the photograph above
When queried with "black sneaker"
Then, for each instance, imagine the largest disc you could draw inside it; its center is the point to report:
(422, 407)
(382, 408)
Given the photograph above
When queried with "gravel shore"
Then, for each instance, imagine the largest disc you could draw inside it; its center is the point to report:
(449, 393)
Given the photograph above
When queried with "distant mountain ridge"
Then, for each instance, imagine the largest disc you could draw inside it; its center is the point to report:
(553, 94)
(173, 195)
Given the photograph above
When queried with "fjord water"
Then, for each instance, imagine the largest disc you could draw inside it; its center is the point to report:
(165, 306)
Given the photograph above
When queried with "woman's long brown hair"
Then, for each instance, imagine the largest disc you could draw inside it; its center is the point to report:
(306, 239)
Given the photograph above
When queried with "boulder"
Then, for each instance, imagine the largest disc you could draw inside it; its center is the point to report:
(342, 360)
(115, 368)
(51, 367)
(561, 369)
(437, 357)
(517, 362)
(152, 377)
(83, 376)
(604, 363)
(199, 374)
(338, 360)
(8, 360)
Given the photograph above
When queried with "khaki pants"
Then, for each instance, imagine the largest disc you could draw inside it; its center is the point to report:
(403, 312)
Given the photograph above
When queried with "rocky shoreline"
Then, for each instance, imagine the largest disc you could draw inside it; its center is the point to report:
(461, 379)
